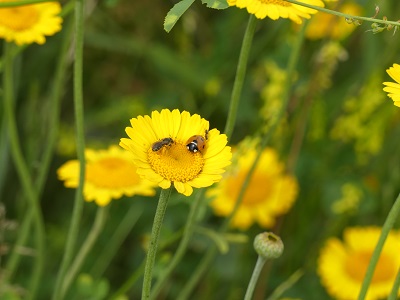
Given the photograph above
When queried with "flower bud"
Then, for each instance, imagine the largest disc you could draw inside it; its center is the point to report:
(268, 245)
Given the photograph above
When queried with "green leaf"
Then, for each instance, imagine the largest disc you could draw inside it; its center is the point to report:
(175, 13)
(216, 4)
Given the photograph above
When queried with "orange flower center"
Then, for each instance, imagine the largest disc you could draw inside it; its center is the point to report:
(357, 263)
(257, 191)
(175, 162)
(276, 2)
(18, 18)
(111, 172)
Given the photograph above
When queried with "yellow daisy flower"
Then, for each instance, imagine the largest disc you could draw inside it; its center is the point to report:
(393, 89)
(275, 9)
(327, 25)
(110, 174)
(270, 193)
(342, 264)
(29, 23)
(171, 146)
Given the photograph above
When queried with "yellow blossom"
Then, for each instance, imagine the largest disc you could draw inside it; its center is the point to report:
(28, 24)
(110, 174)
(164, 151)
(342, 264)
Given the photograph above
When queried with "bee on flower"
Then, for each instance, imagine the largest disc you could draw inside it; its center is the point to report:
(173, 147)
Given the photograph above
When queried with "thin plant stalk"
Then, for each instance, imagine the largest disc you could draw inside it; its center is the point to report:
(396, 286)
(53, 126)
(240, 75)
(23, 2)
(80, 143)
(95, 231)
(288, 283)
(155, 234)
(116, 240)
(387, 226)
(208, 258)
(129, 283)
(346, 16)
(23, 170)
(254, 277)
(180, 251)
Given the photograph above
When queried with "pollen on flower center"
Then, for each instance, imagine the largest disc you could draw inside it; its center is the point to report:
(18, 18)
(357, 264)
(277, 2)
(176, 162)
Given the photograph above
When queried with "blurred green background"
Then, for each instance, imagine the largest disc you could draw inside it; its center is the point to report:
(345, 132)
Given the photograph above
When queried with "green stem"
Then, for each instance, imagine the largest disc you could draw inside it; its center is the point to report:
(197, 274)
(23, 170)
(155, 234)
(129, 283)
(187, 234)
(205, 262)
(387, 226)
(284, 286)
(116, 240)
(254, 278)
(59, 79)
(80, 142)
(347, 16)
(240, 75)
(97, 227)
(23, 2)
(396, 286)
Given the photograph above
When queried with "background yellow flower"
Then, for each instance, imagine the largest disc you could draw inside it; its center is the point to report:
(28, 24)
(342, 264)
(110, 174)
(323, 25)
(270, 193)
(173, 160)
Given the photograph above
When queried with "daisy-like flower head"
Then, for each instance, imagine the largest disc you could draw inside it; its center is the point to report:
(275, 9)
(269, 194)
(342, 264)
(392, 88)
(174, 147)
(110, 174)
(28, 24)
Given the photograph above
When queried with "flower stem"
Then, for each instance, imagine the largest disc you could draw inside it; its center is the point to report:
(86, 247)
(59, 79)
(387, 226)
(116, 240)
(188, 232)
(208, 258)
(396, 286)
(347, 16)
(197, 274)
(240, 75)
(23, 2)
(254, 277)
(80, 142)
(23, 170)
(288, 283)
(155, 234)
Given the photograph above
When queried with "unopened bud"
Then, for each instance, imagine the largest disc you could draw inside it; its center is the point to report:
(268, 245)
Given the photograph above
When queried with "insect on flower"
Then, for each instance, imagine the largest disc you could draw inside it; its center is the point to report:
(164, 142)
(197, 142)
